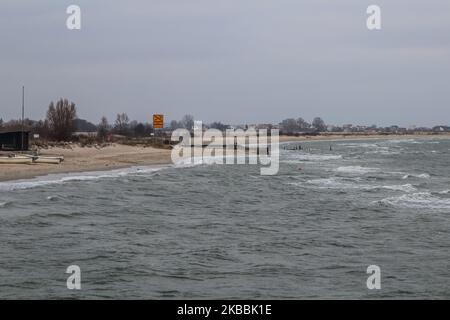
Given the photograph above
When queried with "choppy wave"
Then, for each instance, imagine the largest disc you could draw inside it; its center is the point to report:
(188, 162)
(356, 170)
(397, 141)
(4, 204)
(337, 183)
(359, 145)
(421, 200)
(405, 188)
(383, 151)
(420, 176)
(72, 177)
(312, 157)
(332, 183)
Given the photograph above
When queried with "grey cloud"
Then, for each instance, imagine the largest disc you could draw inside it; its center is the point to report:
(230, 60)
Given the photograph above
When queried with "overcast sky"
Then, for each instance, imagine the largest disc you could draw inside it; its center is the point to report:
(237, 61)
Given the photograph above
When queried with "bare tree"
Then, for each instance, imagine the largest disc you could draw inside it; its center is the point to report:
(103, 129)
(121, 124)
(174, 124)
(319, 124)
(60, 119)
(139, 130)
(187, 122)
(42, 129)
(219, 126)
(302, 124)
(289, 126)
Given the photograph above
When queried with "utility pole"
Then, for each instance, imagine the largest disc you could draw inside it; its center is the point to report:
(23, 113)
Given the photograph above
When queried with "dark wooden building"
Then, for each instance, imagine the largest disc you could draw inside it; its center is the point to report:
(11, 140)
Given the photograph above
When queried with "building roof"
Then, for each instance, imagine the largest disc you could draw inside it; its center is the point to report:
(13, 130)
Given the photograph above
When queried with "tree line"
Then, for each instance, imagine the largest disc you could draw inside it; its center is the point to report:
(61, 122)
(293, 126)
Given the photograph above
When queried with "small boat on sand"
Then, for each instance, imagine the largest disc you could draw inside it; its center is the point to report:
(28, 158)
(49, 160)
(45, 159)
(15, 160)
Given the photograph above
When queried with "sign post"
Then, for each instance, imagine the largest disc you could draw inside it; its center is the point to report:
(158, 122)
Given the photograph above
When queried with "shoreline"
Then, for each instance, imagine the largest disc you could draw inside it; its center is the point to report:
(356, 137)
(85, 160)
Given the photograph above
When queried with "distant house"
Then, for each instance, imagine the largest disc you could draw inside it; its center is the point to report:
(11, 140)
(441, 129)
(84, 126)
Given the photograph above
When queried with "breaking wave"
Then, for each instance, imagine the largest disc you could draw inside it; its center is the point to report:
(405, 188)
(420, 176)
(64, 178)
(359, 145)
(397, 141)
(356, 170)
(4, 204)
(336, 183)
(421, 200)
(333, 183)
(312, 157)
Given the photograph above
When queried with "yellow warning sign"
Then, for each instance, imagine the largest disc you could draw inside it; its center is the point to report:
(158, 121)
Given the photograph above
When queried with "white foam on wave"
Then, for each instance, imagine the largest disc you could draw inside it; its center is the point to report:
(383, 151)
(71, 177)
(311, 157)
(397, 141)
(356, 170)
(374, 148)
(3, 204)
(445, 192)
(405, 187)
(337, 183)
(359, 145)
(189, 162)
(421, 200)
(420, 176)
(331, 183)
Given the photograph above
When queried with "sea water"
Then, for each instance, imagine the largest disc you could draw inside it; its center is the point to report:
(225, 231)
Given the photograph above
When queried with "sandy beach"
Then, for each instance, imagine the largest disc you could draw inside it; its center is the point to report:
(78, 159)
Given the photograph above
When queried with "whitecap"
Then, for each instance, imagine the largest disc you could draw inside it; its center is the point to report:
(356, 170)
(339, 183)
(420, 176)
(335, 183)
(359, 145)
(396, 141)
(405, 188)
(311, 157)
(383, 152)
(72, 177)
(421, 200)
(188, 162)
